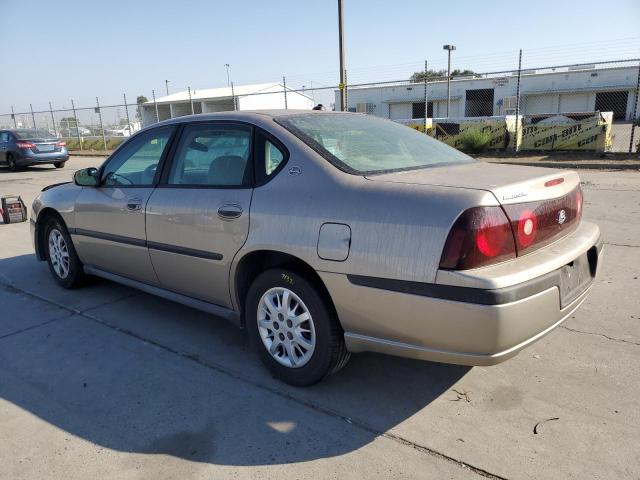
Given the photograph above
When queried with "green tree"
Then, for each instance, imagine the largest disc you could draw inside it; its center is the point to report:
(418, 77)
(430, 74)
(68, 122)
(141, 99)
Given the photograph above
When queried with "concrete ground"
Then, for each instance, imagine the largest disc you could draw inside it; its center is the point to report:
(107, 382)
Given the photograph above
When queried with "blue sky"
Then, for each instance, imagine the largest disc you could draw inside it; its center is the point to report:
(54, 51)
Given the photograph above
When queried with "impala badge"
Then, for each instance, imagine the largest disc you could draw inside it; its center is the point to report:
(562, 216)
(295, 170)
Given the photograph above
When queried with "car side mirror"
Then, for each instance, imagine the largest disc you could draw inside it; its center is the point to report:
(87, 177)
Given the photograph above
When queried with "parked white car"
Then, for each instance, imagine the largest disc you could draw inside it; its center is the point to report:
(125, 131)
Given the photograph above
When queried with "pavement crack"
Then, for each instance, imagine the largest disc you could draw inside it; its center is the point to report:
(622, 340)
(33, 327)
(105, 304)
(305, 403)
(269, 388)
(622, 245)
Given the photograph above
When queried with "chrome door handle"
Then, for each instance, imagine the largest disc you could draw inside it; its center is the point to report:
(229, 211)
(134, 204)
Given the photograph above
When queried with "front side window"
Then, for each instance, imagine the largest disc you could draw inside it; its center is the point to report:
(136, 162)
(212, 155)
(364, 144)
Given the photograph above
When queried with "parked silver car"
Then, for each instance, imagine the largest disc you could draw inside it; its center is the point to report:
(328, 233)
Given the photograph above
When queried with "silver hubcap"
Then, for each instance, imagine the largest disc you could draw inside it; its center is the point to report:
(286, 327)
(58, 253)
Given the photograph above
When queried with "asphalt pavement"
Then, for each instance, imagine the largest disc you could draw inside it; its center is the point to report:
(109, 382)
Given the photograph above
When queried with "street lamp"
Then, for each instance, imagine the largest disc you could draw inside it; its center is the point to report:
(226, 65)
(166, 85)
(449, 49)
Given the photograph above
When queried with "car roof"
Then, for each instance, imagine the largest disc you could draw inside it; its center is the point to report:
(246, 115)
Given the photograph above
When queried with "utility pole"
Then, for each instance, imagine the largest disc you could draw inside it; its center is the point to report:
(426, 103)
(515, 140)
(343, 101)
(226, 65)
(449, 49)
(166, 84)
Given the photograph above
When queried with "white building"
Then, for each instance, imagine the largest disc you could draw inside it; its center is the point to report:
(245, 97)
(558, 90)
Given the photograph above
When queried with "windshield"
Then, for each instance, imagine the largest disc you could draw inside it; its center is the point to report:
(26, 134)
(364, 144)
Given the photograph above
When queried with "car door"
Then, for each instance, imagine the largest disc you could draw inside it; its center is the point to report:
(110, 218)
(198, 217)
(4, 144)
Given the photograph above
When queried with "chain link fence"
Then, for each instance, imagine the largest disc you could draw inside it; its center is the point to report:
(571, 107)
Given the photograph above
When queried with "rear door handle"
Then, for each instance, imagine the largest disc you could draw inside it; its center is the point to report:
(229, 211)
(134, 204)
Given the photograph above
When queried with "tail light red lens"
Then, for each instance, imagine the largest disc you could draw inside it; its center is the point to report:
(480, 236)
(526, 228)
(537, 224)
(487, 235)
(61, 144)
(25, 145)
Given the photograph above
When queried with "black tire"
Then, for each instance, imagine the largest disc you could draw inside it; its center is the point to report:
(330, 353)
(75, 276)
(11, 163)
(59, 164)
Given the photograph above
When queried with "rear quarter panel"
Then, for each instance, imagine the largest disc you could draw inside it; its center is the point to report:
(397, 230)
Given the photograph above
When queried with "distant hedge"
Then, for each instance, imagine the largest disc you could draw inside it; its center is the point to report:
(93, 143)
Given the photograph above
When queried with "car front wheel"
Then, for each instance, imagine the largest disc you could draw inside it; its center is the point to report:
(59, 164)
(294, 331)
(64, 264)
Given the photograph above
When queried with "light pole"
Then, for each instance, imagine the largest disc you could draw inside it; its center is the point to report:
(449, 49)
(343, 93)
(226, 65)
(166, 84)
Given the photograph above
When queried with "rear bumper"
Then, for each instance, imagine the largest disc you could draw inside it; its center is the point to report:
(488, 327)
(26, 159)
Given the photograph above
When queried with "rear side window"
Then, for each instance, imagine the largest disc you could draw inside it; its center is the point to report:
(273, 157)
(215, 155)
(270, 156)
(4, 137)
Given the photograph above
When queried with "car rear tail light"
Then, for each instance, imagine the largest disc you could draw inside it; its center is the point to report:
(526, 228)
(480, 236)
(536, 224)
(25, 145)
(487, 235)
(61, 144)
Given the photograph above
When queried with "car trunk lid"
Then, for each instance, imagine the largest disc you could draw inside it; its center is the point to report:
(509, 183)
(541, 204)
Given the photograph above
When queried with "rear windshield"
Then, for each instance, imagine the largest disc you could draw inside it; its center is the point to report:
(27, 134)
(364, 144)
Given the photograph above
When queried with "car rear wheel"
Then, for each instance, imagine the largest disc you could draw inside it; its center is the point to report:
(11, 163)
(294, 331)
(59, 164)
(64, 264)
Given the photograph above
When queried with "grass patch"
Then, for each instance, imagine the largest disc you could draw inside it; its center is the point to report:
(475, 141)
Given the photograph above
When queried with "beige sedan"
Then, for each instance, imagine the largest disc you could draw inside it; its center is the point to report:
(328, 233)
